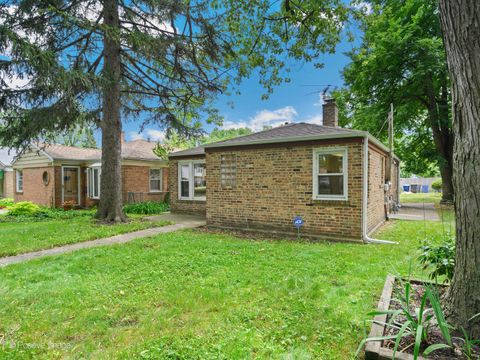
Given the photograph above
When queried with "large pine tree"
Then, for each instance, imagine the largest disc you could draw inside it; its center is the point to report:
(161, 61)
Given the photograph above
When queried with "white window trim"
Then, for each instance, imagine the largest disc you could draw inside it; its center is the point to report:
(78, 181)
(150, 180)
(191, 186)
(90, 170)
(17, 188)
(315, 173)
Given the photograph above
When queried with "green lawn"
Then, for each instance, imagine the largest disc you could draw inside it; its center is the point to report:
(195, 295)
(420, 197)
(25, 236)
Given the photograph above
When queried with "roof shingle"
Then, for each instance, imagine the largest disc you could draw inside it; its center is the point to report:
(280, 134)
(131, 150)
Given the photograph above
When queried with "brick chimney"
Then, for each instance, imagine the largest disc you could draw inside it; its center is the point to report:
(330, 113)
(122, 138)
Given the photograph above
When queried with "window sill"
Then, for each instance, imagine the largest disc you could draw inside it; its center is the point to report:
(330, 199)
(193, 200)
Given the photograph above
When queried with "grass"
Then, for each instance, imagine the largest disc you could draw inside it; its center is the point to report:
(196, 295)
(420, 198)
(21, 237)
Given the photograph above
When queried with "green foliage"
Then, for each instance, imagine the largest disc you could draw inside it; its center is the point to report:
(80, 136)
(23, 208)
(416, 325)
(176, 56)
(221, 134)
(176, 141)
(401, 60)
(437, 185)
(440, 259)
(146, 208)
(6, 202)
(45, 214)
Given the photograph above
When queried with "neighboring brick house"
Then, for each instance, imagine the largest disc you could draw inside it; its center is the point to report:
(333, 178)
(6, 173)
(54, 174)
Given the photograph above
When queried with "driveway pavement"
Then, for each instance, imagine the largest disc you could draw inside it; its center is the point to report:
(414, 211)
(180, 222)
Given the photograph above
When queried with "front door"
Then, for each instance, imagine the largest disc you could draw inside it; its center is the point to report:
(70, 184)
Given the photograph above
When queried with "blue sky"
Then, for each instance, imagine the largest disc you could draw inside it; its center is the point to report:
(292, 102)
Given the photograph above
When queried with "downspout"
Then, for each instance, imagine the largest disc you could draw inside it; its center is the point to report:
(367, 239)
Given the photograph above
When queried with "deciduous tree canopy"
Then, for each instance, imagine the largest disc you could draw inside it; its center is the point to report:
(401, 60)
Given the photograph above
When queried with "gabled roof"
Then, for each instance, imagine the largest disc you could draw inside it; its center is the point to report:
(63, 152)
(293, 132)
(6, 157)
(139, 150)
(132, 150)
(286, 133)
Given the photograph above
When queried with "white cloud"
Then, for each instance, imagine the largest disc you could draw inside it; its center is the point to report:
(273, 118)
(155, 135)
(265, 118)
(363, 6)
(315, 119)
(152, 134)
(133, 135)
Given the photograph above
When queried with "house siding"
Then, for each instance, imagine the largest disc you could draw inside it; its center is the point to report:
(8, 185)
(196, 207)
(136, 180)
(274, 185)
(376, 193)
(377, 167)
(34, 189)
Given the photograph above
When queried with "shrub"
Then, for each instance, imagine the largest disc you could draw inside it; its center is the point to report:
(439, 258)
(23, 208)
(437, 185)
(6, 202)
(46, 214)
(146, 208)
(416, 326)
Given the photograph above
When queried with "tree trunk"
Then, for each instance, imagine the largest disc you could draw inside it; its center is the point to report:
(110, 207)
(438, 117)
(460, 21)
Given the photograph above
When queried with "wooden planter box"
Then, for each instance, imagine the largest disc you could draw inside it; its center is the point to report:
(374, 349)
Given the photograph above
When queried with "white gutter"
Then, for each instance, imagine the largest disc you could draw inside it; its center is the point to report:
(367, 239)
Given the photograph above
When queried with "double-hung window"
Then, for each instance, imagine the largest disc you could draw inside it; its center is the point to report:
(156, 180)
(330, 177)
(191, 180)
(93, 182)
(19, 181)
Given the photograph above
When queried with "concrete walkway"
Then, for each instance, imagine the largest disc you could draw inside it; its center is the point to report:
(416, 211)
(180, 222)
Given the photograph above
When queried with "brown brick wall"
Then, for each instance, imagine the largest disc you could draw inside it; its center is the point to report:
(376, 193)
(275, 184)
(34, 189)
(136, 179)
(8, 185)
(183, 206)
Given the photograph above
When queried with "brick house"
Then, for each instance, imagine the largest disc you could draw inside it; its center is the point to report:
(335, 179)
(6, 173)
(55, 174)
